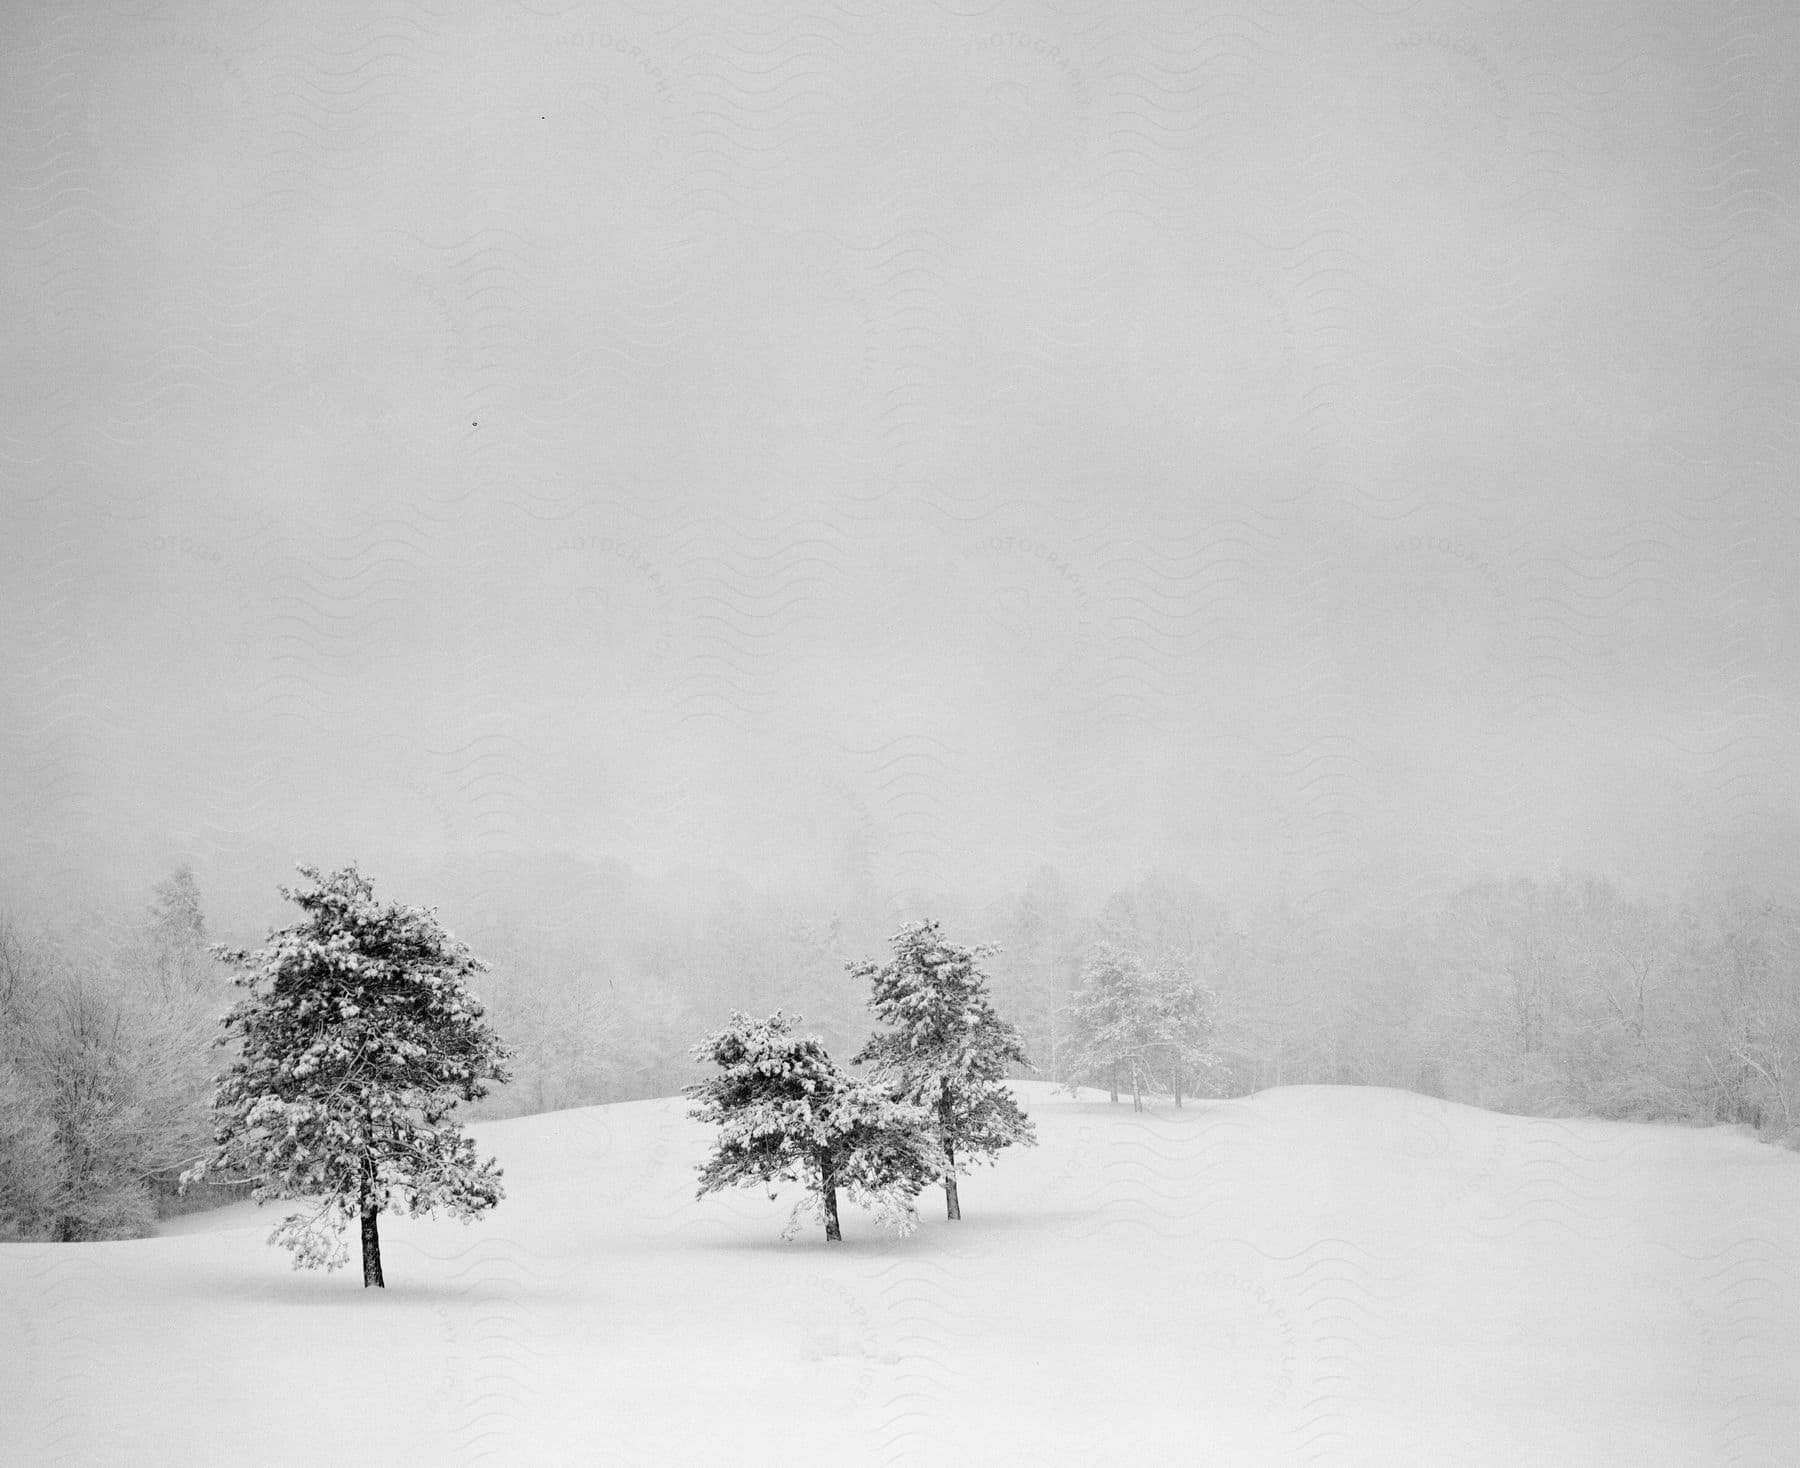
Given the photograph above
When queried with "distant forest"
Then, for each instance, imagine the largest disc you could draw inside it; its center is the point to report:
(1561, 997)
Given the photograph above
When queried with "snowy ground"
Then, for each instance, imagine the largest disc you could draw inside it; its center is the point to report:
(1313, 1275)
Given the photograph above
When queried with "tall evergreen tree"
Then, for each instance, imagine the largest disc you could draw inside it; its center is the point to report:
(946, 1048)
(358, 1037)
(176, 934)
(787, 1113)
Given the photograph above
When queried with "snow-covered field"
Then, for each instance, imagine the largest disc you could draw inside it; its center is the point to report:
(1312, 1275)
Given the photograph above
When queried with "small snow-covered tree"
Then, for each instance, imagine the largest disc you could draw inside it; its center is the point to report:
(1183, 1027)
(1113, 1023)
(787, 1113)
(946, 1048)
(358, 1038)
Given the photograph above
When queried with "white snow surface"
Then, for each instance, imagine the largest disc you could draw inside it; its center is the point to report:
(1314, 1275)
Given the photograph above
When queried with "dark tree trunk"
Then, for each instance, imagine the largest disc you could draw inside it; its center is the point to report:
(828, 1196)
(371, 1251)
(371, 1228)
(1178, 1085)
(1112, 1077)
(950, 1199)
(1137, 1094)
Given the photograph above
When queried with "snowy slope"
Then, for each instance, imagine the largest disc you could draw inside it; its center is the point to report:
(1313, 1275)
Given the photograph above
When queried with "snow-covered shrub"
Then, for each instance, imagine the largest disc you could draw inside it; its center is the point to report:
(787, 1113)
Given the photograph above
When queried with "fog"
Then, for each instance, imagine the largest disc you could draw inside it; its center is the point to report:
(1328, 454)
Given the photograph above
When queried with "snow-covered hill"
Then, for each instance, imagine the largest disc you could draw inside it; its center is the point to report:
(1312, 1275)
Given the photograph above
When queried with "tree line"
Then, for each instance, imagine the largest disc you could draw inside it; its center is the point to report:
(1562, 996)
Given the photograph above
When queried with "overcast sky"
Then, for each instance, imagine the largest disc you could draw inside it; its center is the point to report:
(1323, 449)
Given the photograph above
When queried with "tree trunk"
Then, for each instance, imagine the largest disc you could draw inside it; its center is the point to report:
(828, 1196)
(1112, 1077)
(1175, 1070)
(371, 1227)
(371, 1250)
(950, 1199)
(1137, 1092)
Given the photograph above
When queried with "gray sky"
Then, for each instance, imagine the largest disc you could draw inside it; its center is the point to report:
(1337, 449)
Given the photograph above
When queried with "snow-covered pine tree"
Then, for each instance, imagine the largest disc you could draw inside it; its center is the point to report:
(358, 1038)
(946, 1049)
(1113, 1019)
(787, 1113)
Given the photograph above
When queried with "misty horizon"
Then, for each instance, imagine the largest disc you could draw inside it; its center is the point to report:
(1323, 456)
